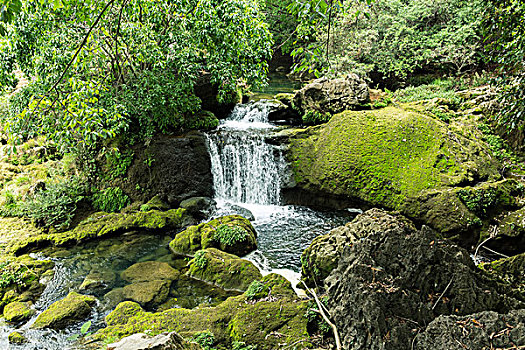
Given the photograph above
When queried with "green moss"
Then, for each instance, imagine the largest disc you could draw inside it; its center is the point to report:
(256, 290)
(268, 325)
(18, 312)
(224, 270)
(60, 314)
(510, 270)
(106, 224)
(383, 157)
(233, 234)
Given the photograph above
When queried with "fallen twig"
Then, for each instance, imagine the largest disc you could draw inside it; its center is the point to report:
(441, 296)
(327, 320)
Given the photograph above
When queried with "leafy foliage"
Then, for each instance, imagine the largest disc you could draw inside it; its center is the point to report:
(506, 44)
(101, 68)
(56, 205)
(478, 201)
(204, 339)
(111, 199)
(200, 259)
(229, 234)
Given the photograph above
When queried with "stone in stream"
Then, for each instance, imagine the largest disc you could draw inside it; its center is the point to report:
(232, 234)
(98, 280)
(148, 293)
(149, 271)
(16, 338)
(74, 307)
(18, 312)
(199, 207)
(223, 270)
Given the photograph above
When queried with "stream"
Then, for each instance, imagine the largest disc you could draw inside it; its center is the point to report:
(247, 180)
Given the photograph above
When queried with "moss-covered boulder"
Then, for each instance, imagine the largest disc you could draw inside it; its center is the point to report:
(18, 312)
(267, 324)
(108, 224)
(165, 341)
(232, 234)
(223, 270)
(322, 256)
(16, 338)
(60, 314)
(149, 271)
(148, 293)
(438, 174)
(20, 278)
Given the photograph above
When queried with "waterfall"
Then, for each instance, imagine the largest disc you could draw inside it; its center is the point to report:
(245, 168)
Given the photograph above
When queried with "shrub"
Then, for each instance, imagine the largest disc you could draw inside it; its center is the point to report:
(229, 234)
(56, 205)
(111, 199)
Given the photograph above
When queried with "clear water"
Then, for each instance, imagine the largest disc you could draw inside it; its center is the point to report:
(114, 254)
(278, 83)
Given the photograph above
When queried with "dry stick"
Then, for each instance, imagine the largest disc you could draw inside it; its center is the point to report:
(77, 52)
(441, 296)
(327, 320)
(477, 248)
(495, 252)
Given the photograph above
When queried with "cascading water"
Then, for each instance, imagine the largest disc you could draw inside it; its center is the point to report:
(246, 172)
(245, 168)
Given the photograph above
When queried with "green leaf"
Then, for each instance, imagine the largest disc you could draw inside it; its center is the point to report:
(85, 327)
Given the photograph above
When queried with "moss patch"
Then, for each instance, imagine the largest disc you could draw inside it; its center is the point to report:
(18, 312)
(383, 157)
(232, 234)
(105, 224)
(223, 270)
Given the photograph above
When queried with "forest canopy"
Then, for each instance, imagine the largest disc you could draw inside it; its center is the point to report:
(99, 67)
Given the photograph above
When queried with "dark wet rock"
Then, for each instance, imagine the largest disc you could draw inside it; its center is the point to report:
(322, 256)
(199, 207)
(393, 280)
(510, 270)
(282, 112)
(148, 293)
(98, 280)
(113, 298)
(74, 307)
(149, 271)
(232, 234)
(332, 95)
(510, 235)
(224, 270)
(176, 168)
(18, 312)
(238, 210)
(484, 330)
(165, 341)
(208, 93)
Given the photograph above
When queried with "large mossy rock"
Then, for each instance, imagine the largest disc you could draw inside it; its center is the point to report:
(108, 224)
(510, 236)
(511, 270)
(332, 95)
(402, 160)
(399, 274)
(174, 167)
(98, 280)
(74, 307)
(232, 234)
(268, 325)
(224, 270)
(322, 256)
